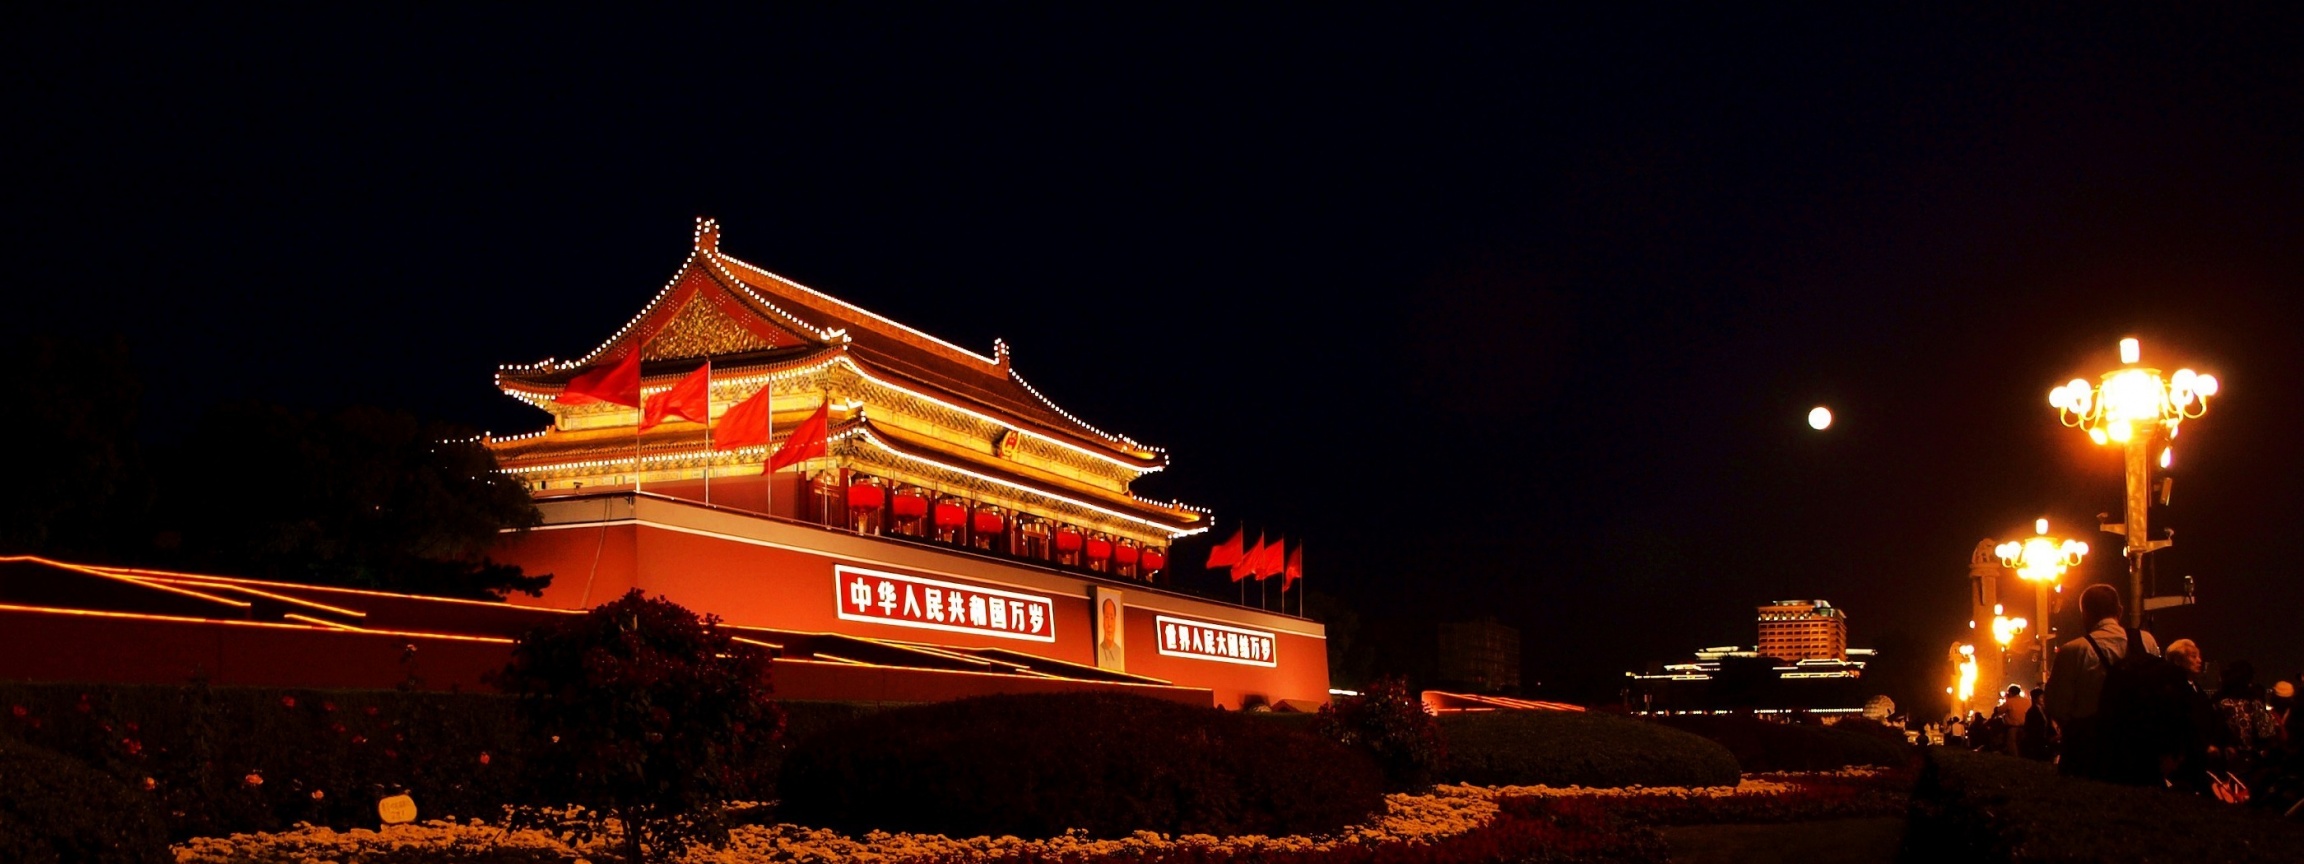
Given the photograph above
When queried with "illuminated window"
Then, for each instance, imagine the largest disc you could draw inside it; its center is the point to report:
(827, 499)
(1034, 538)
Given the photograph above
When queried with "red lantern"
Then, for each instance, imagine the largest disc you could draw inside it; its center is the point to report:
(910, 505)
(1125, 553)
(1099, 548)
(1067, 540)
(988, 523)
(950, 515)
(866, 497)
(1155, 559)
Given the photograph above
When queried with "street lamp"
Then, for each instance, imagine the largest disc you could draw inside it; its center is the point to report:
(2135, 407)
(2042, 560)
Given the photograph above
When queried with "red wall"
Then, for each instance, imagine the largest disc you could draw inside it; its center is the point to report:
(135, 649)
(55, 646)
(714, 568)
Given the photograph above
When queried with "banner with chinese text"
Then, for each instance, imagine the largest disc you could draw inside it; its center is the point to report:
(896, 599)
(1201, 640)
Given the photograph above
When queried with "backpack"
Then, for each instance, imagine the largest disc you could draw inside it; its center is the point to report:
(2140, 717)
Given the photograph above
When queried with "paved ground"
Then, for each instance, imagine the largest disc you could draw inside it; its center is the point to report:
(1835, 841)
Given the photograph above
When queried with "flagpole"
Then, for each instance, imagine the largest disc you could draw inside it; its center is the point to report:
(707, 432)
(768, 478)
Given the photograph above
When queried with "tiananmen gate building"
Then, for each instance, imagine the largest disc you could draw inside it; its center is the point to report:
(952, 532)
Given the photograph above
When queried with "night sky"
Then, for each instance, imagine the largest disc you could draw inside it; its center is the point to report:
(1511, 315)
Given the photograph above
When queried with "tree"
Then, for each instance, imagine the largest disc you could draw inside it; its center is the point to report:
(361, 497)
(644, 712)
(1390, 724)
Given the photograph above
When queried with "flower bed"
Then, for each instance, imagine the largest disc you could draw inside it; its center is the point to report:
(1450, 813)
(1779, 797)
(1451, 824)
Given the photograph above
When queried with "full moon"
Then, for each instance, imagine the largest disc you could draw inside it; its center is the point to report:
(1819, 418)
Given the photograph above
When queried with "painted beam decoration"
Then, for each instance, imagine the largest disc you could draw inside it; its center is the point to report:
(1202, 640)
(880, 597)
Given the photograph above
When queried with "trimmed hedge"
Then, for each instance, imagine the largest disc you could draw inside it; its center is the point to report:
(1108, 764)
(54, 810)
(1561, 748)
(1983, 807)
(456, 754)
(223, 760)
(1760, 745)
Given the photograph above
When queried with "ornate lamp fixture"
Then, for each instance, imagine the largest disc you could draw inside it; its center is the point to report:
(2134, 406)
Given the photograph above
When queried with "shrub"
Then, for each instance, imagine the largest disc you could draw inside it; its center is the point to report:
(641, 711)
(1392, 727)
(1761, 745)
(56, 809)
(1109, 764)
(314, 755)
(1983, 807)
(1559, 748)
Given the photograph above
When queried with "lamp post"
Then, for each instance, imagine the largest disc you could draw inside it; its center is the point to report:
(2135, 407)
(2041, 560)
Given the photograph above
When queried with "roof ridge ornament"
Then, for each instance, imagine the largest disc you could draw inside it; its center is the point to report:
(707, 240)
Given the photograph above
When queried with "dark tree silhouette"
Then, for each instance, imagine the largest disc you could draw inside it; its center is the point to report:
(361, 497)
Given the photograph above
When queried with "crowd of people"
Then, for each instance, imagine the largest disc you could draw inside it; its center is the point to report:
(2120, 707)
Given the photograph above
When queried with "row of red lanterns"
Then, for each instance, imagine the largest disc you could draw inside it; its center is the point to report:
(986, 524)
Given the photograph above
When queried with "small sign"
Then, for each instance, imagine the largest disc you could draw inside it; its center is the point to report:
(1223, 643)
(913, 601)
(397, 810)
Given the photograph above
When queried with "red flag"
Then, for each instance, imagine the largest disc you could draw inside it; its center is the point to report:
(1295, 568)
(619, 384)
(691, 399)
(1275, 559)
(1246, 566)
(806, 442)
(1227, 553)
(745, 424)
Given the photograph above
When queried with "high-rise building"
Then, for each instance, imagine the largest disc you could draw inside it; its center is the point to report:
(1803, 630)
(1484, 655)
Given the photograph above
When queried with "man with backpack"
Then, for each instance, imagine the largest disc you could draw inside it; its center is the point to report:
(2117, 704)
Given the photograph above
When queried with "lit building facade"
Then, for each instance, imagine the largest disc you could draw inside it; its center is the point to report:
(1802, 665)
(1803, 630)
(953, 508)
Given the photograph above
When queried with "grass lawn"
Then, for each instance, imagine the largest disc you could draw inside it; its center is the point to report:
(1833, 841)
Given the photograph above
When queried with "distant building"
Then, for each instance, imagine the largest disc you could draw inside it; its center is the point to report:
(1802, 665)
(1803, 630)
(1483, 655)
